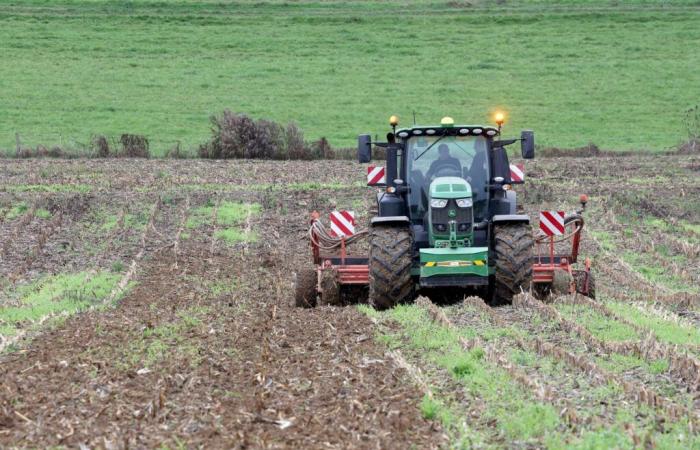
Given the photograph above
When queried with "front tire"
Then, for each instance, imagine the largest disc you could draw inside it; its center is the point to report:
(390, 259)
(513, 244)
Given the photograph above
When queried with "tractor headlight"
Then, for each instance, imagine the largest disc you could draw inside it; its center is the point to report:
(464, 202)
(438, 203)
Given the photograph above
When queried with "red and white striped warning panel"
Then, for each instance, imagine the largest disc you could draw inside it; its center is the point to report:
(517, 173)
(552, 222)
(376, 175)
(343, 223)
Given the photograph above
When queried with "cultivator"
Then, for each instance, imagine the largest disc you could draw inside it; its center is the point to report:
(333, 267)
(554, 272)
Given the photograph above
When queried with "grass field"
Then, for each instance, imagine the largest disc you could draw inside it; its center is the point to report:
(618, 74)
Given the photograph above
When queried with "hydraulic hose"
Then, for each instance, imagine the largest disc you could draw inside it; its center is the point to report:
(319, 235)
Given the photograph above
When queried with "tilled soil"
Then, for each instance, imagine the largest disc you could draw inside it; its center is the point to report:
(177, 361)
(205, 351)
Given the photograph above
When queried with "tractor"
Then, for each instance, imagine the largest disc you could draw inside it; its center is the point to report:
(447, 219)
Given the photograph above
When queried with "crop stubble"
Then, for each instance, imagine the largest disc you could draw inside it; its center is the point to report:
(237, 366)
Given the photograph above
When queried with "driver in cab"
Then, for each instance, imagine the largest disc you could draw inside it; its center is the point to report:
(445, 160)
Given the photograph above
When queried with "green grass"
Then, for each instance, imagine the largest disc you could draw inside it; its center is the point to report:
(665, 330)
(646, 264)
(573, 71)
(63, 293)
(602, 327)
(168, 339)
(607, 329)
(129, 221)
(231, 216)
(680, 228)
(47, 188)
(515, 415)
(518, 416)
(314, 186)
(227, 213)
(17, 210)
(42, 213)
(233, 235)
(230, 213)
(650, 268)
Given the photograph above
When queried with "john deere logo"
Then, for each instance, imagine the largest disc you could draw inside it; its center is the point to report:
(452, 213)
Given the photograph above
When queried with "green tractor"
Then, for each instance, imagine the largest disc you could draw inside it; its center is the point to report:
(447, 218)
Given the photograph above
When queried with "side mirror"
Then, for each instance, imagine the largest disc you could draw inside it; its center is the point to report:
(364, 148)
(527, 144)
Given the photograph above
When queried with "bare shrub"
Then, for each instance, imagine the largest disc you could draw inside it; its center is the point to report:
(40, 152)
(239, 136)
(321, 149)
(379, 153)
(589, 151)
(100, 146)
(134, 146)
(692, 126)
(25, 152)
(347, 153)
(176, 152)
(294, 141)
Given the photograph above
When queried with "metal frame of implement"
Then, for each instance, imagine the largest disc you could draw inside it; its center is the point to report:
(546, 265)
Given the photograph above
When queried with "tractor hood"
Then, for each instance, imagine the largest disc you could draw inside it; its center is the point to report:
(450, 187)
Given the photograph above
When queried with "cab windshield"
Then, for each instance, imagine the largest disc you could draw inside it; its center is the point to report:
(431, 157)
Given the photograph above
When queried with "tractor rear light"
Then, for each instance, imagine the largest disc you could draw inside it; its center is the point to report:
(507, 187)
(391, 190)
(438, 203)
(429, 131)
(464, 131)
(403, 134)
(477, 130)
(491, 132)
(417, 132)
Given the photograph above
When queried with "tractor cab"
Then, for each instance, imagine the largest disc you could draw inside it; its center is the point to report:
(428, 159)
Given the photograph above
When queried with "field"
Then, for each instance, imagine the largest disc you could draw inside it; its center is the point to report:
(145, 304)
(619, 74)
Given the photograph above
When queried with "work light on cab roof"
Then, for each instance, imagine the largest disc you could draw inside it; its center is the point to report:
(499, 118)
(447, 121)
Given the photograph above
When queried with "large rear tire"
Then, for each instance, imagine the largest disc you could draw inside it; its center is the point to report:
(305, 288)
(513, 244)
(390, 258)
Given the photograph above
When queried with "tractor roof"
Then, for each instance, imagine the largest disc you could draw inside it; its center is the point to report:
(453, 130)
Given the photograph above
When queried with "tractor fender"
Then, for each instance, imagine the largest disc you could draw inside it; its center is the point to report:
(390, 220)
(510, 218)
